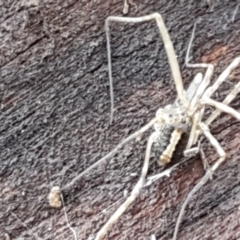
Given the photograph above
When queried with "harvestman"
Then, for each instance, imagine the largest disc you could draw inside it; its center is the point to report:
(186, 112)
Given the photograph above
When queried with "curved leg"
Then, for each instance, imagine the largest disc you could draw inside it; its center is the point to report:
(196, 90)
(226, 101)
(199, 90)
(207, 175)
(135, 192)
(119, 146)
(172, 59)
(224, 75)
(221, 106)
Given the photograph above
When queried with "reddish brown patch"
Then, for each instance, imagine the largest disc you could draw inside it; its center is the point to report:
(214, 56)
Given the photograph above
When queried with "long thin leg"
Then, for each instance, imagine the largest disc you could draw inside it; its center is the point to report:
(207, 175)
(135, 192)
(226, 101)
(222, 107)
(119, 146)
(191, 139)
(198, 92)
(172, 59)
(187, 57)
(205, 162)
(224, 75)
(194, 86)
(235, 13)
(165, 173)
(196, 89)
(214, 87)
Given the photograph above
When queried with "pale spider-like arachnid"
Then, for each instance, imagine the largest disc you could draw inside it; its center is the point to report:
(184, 114)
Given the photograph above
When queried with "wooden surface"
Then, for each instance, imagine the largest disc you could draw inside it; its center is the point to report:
(54, 120)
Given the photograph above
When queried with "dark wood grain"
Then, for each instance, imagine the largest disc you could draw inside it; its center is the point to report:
(54, 120)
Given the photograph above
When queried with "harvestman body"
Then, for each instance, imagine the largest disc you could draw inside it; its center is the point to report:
(185, 113)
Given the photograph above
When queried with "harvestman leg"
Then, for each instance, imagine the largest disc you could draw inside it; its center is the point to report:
(193, 93)
(219, 81)
(103, 231)
(204, 128)
(207, 175)
(112, 153)
(226, 101)
(172, 59)
(224, 75)
(199, 90)
(221, 106)
(205, 80)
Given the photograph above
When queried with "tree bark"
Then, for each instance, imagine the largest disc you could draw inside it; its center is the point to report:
(55, 108)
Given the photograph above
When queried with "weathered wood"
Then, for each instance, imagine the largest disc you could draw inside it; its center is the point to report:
(55, 108)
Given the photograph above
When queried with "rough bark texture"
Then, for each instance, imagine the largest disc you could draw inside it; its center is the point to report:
(54, 121)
